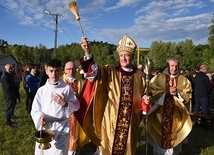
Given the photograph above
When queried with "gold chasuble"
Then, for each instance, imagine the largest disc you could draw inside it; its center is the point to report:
(170, 123)
(112, 113)
(77, 137)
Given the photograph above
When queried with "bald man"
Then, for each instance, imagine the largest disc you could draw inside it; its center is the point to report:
(77, 136)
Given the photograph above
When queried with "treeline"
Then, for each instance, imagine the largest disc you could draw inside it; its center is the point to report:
(38, 55)
(191, 56)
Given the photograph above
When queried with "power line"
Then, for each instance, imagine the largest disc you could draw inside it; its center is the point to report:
(31, 7)
(26, 18)
(64, 26)
(63, 23)
(69, 28)
(64, 31)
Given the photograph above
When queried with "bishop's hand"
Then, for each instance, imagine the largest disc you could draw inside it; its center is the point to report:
(146, 99)
(85, 44)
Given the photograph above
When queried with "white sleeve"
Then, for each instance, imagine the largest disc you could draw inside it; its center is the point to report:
(91, 76)
(73, 105)
(87, 57)
(36, 111)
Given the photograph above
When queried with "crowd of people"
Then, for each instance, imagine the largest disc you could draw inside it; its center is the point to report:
(202, 96)
(105, 107)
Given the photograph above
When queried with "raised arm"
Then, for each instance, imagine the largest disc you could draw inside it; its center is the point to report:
(88, 64)
(85, 44)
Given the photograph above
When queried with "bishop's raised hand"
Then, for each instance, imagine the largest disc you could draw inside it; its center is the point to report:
(85, 44)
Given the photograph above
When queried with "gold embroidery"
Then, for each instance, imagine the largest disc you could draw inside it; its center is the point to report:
(124, 116)
(167, 119)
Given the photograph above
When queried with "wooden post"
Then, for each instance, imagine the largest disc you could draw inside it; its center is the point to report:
(138, 53)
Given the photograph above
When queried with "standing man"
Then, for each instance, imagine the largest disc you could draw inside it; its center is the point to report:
(33, 85)
(77, 136)
(43, 76)
(110, 110)
(10, 92)
(25, 84)
(53, 104)
(202, 89)
(169, 121)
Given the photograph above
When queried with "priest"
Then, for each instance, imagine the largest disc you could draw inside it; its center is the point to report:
(169, 122)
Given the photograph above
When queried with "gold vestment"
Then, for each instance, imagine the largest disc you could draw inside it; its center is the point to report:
(181, 123)
(77, 137)
(101, 123)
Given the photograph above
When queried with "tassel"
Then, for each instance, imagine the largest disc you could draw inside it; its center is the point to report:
(74, 9)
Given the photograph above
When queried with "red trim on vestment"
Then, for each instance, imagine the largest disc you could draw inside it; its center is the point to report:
(85, 100)
(87, 65)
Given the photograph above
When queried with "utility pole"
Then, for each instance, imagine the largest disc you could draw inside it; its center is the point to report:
(56, 16)
(55, 38)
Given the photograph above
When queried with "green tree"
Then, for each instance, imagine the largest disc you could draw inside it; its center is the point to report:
(159, 51)
(25, 56)
(186, 54)
(211, 45)
(16, 52)
(211, 36)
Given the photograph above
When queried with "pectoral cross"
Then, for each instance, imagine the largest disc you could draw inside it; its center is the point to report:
(124, 88)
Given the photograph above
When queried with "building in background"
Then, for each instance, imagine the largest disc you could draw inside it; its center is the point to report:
(6, 59)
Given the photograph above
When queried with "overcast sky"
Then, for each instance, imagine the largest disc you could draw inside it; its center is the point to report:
(25, 21)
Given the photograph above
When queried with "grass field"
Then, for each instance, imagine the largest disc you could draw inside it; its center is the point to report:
(20, 141)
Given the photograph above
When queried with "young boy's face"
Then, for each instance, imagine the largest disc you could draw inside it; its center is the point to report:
(53, 74)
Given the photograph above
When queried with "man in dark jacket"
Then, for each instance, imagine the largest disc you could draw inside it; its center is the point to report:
(25, 84)
(10, 92)
(43, 76)
(202, 89)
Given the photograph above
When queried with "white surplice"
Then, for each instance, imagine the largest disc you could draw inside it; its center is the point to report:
(55, 114)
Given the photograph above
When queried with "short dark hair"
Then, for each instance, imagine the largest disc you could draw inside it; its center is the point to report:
(55, 63)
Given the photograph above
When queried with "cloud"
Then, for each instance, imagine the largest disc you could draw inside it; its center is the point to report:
(164, 21)
(107, 20)
(123, 3)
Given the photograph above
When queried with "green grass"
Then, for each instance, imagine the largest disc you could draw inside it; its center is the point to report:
(20, 141)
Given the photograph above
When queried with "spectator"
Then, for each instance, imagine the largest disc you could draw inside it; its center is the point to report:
(33, 85)
(202, 89)
(43, 76)
(192, 78)
(211, 102)
(25, 84)
(10, 93)
(17, 76)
